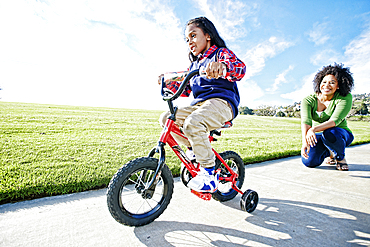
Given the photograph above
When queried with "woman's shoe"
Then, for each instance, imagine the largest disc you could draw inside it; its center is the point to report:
(342, 166)
(330, 161)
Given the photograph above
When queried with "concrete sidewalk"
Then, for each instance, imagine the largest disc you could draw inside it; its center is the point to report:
(298, 207)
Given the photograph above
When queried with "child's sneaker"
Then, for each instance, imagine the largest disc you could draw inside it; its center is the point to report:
(205, 181)
(190, 154)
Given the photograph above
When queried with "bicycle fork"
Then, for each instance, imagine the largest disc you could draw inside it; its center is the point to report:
(165, 136)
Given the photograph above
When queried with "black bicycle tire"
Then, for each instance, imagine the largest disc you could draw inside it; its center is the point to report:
(118, 211)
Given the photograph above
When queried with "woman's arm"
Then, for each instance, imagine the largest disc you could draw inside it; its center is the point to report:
(342, 108)
(323, 126)
(305, 146)
(310, 135)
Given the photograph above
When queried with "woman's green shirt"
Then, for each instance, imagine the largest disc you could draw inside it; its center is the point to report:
(337, 110)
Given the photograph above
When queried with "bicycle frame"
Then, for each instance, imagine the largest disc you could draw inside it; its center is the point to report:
(167, 138)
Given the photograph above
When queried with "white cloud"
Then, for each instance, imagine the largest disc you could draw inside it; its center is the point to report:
(256, 57)
(327, 56)
(280, 79)
(305, 89)
(88, 53)
(318, 34)
(249, 92)
(357, 56)
(228, 16)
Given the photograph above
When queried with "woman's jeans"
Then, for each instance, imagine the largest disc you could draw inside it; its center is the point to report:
(334, 139)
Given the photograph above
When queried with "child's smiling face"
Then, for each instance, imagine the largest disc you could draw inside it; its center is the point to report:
(198, 42)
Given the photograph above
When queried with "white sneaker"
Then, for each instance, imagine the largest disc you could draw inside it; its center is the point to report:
(190, 154)
(205, 181)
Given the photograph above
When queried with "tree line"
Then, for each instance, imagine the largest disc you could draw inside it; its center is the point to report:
(360, 107)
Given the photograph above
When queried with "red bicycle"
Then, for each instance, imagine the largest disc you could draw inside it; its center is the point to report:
(142, 188)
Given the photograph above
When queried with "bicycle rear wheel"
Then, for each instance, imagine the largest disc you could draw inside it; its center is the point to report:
(126, 200)
(225, 192)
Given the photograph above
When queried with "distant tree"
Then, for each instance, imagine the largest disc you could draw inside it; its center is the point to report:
(289, 111)
(297, 114)
(280, 114)
(352, 112)
(265, 111)
(245, 110)
(363, 110)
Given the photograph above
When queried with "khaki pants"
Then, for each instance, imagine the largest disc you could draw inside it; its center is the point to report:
(197, 121)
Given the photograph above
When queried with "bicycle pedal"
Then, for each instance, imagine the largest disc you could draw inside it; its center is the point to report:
(202, 195)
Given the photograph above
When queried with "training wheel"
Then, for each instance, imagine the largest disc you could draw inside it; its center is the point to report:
(249, 201)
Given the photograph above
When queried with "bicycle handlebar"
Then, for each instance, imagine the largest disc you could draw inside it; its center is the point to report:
(181, 89)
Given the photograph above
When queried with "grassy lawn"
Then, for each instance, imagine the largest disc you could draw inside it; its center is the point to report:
(49, 150)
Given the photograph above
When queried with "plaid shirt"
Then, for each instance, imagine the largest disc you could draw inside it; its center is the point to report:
(235, 69)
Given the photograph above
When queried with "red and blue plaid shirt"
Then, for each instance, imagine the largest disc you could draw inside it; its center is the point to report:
(235, 68)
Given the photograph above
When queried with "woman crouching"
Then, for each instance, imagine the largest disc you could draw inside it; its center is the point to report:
(325, 133)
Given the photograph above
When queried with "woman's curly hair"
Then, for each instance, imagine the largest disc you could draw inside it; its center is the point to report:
(343, 76)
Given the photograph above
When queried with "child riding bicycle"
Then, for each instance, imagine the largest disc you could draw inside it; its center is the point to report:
(216, 97)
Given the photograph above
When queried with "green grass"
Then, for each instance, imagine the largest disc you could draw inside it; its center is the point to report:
(50, 150)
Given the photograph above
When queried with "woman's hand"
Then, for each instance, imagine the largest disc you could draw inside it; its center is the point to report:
(311, 137)
(305, 150)
(215, 70)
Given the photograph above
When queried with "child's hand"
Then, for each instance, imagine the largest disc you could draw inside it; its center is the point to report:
(160, 79)
(215, 70)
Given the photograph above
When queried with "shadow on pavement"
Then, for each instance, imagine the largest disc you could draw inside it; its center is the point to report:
(314, 225)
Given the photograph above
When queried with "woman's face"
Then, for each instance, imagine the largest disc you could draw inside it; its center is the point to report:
(198, 42)
(329, 85)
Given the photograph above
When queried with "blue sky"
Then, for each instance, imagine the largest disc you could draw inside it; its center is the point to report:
(110, 53)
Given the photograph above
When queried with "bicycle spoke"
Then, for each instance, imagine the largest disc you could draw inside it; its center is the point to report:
(148, 179)
(133, 181)
(138, 210)
(149, 204)
(128, 192)
(140, 178)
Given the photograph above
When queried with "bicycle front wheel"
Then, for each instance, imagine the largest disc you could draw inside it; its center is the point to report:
(126, 199)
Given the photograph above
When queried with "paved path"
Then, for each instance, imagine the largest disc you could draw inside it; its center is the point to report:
(298, 207)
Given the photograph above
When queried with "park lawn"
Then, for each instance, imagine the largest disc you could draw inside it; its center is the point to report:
(51, 150)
